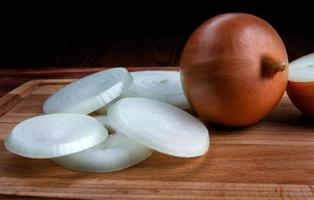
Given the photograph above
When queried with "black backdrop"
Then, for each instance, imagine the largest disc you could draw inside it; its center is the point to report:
(44, 35)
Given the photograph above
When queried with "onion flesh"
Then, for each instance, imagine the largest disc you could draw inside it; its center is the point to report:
(55, 135)
(103, 119)
(160, 126)
(103, 110)
(302, 69)
(89, 93)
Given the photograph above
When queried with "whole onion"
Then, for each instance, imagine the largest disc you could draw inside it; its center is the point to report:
(234, 69)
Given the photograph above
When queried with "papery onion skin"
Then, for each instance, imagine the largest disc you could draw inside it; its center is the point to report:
(234, 69)
(302, 96)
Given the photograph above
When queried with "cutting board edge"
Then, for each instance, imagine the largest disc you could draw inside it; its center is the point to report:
(160, 189)
(10, 99)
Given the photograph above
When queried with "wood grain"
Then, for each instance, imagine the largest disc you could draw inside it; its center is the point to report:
(272, 159)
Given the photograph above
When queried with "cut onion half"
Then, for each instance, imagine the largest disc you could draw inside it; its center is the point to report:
(89, 93)
(160, 126)
(55, 135)
(300, 86)
(162, 86)
(115, 153)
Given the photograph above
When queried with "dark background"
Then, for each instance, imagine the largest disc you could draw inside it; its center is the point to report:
(145, 34)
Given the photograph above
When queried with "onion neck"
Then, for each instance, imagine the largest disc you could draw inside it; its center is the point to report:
(270, 67)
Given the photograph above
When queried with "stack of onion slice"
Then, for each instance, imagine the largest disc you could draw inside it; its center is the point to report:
(138, 126)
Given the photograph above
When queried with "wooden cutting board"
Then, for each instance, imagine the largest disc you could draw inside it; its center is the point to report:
(273, 159)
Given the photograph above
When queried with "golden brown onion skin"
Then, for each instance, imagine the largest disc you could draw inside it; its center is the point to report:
(234, 69)
(302, 96)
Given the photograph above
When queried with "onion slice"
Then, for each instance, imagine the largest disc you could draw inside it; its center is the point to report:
(158, 85)
(116, 153)
(55, 135)
(160, 126)
(89, 93)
